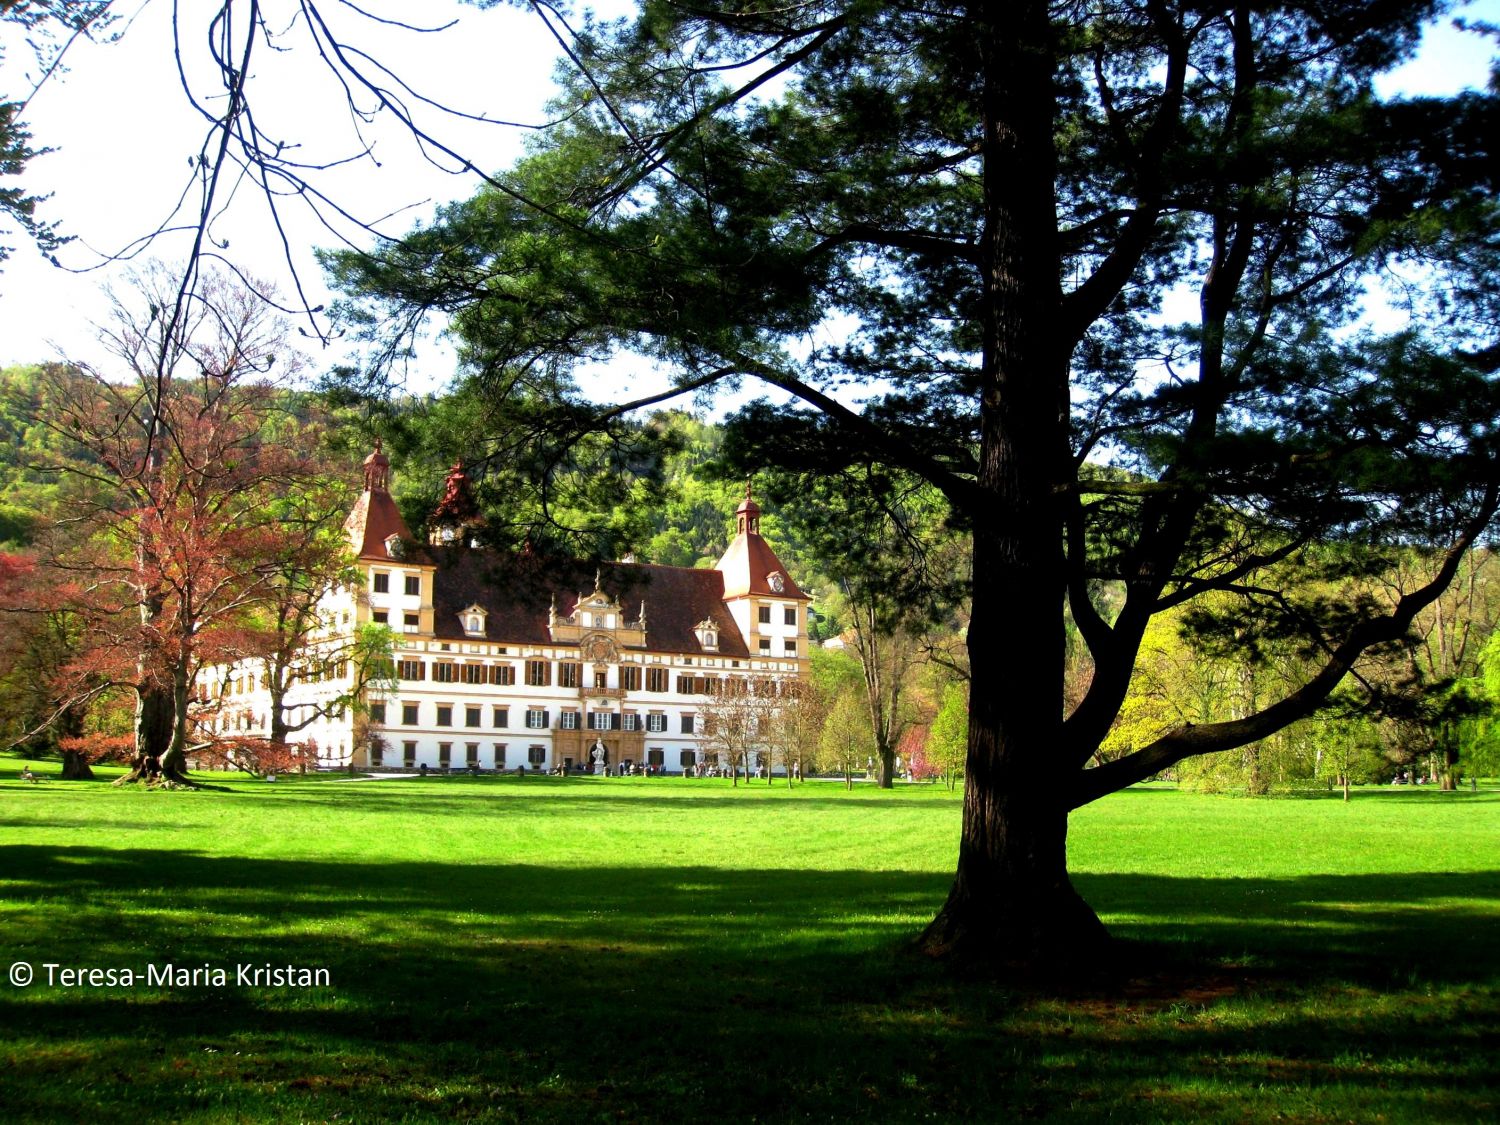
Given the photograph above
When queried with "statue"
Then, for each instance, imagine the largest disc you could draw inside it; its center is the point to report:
(598, 755)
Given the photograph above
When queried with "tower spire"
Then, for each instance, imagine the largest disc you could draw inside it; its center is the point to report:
(747, 515)
(457, 513)
(377, 470)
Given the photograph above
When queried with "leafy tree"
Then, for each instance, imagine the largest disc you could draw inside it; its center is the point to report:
(288, 631)
(900, 576)
(735, 722)
(913, 752)
(259, 757)
(40, 639)
(171, 532)
(948, 738)
(1349, 751)
(1430, 689)
(1481, 751)
(846, 742)
(796, 728)
(28, 495)
(978, 215)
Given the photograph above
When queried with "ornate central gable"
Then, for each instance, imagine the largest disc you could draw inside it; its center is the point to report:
(598, 625)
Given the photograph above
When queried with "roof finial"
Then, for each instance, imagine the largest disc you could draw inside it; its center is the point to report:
(598, 579)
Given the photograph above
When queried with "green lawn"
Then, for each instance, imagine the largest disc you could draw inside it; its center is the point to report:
(665, 950)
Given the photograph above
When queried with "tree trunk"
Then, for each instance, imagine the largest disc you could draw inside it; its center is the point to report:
(75, 764)
(76, 767)
(174, 761)
(1450, 773)
(1012, 903)
(153, 733)
(155, 714)
(279, 729)
(885, 765)
(1257, 784)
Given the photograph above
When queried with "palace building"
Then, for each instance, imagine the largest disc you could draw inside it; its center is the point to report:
(505, 659)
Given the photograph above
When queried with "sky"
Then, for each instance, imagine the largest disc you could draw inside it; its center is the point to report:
(124, 135)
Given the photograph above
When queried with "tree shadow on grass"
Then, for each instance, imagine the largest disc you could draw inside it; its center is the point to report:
(557, 797)
(507, 991)
(1369, 928)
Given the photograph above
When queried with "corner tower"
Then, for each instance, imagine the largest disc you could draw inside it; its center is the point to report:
(766, 604)
(396, 571)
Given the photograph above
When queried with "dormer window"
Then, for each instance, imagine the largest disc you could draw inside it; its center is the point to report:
(473, 620)
(708, 635)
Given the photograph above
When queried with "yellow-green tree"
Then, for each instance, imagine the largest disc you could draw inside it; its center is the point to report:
(948, 737)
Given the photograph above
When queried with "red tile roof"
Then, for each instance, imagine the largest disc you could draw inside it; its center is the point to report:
(373, 520)
(747, 566)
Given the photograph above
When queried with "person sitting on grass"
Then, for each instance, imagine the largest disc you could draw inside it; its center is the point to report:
(27, 775)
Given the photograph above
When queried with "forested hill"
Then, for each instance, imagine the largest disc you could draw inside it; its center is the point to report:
(670, 502)
(674, 508)
(25, 495)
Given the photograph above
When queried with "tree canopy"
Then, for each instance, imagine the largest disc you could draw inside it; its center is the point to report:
(1094, 273)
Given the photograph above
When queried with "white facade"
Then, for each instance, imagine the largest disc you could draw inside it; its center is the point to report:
(629, 669)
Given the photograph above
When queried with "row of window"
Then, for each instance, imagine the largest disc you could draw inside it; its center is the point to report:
(410, 622)
(535, 755)
(538, 673)
(788, 615)
(413, 584)
(248, 682)
(537, 718)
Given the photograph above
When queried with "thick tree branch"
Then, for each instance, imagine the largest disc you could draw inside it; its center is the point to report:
(1086, 304)
(916, 241)
(963, 494)
(1190, 741)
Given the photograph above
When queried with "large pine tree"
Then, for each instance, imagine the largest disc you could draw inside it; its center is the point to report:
(1040, 237)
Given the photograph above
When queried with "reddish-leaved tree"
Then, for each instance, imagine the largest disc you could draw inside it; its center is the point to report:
(173, 528)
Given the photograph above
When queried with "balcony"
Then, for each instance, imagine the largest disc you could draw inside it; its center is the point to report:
(601, 693)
